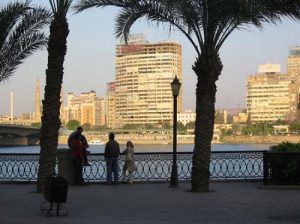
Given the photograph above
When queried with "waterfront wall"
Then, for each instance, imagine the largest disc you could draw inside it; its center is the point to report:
(189, 139)
(138, 138)
(271, 139)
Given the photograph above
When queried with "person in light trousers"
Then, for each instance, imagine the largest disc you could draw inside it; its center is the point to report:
(129, 164)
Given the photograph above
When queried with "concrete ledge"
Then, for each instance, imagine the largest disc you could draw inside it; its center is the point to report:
(65, 164)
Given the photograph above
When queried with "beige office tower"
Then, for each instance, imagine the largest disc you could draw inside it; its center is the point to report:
(293, 70)
(111, 105)
(72, 110)
(144, 72)
(61, 109)
(37, 101)
(268, 94)
(86, 108)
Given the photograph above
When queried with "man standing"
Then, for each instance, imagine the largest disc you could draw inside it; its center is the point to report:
(72, 135)
(111, 155)
(84, 142)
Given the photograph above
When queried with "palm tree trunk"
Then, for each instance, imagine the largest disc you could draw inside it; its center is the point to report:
(207, 67)
(57, 47)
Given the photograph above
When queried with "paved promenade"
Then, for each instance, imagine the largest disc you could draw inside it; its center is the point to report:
(231, 202)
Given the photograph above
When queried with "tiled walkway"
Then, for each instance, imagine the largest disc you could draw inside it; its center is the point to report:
(230, 202)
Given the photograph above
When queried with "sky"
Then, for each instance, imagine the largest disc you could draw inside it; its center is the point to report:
(90, 59)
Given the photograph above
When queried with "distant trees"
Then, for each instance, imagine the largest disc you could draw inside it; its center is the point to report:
(181, 128)
(86, 126)
(190, 125)
(72, 124)
(166, 126)
(295, 126)
(102, 128)
(36, 125)
(219, 117)
(132, 126)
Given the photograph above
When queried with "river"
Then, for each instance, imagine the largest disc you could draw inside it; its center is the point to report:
(147, 148)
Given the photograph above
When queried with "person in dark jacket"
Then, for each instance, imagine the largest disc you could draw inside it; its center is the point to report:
(72, 135)
(77, 153)
(84, 142)
(111, 155)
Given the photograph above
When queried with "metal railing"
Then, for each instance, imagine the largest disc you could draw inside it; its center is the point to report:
(150, 166)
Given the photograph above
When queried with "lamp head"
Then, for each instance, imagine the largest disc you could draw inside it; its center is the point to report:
(175, 85)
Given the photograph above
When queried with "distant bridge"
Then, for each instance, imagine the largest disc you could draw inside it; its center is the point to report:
(12, 135)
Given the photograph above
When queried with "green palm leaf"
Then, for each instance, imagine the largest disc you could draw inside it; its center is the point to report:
(20, 34)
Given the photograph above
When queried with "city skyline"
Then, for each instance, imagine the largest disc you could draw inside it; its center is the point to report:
(90, 60)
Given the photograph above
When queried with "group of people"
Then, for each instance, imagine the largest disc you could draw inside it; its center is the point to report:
(111, 155)
(78, 145)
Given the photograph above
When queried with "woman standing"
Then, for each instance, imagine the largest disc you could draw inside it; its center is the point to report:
(129, 163)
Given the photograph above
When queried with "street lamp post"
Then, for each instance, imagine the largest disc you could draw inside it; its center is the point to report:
(175, 85)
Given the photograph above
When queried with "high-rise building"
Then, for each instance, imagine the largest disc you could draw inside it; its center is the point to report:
(268, 95)
(293, 70)
(86, 108)
(37, 101)
(111, 105)
(144, 72)
(61, 109)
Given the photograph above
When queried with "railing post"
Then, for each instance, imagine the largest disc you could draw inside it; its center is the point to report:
(265, 167)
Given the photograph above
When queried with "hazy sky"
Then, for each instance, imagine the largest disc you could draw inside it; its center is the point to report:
(89, 63)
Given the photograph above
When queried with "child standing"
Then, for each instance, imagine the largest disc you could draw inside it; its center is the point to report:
(129, 164)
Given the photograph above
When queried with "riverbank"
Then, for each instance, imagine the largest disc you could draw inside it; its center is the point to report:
(189, 139)
(137, 139)
(268, 139)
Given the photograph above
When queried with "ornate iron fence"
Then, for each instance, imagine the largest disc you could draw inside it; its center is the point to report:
(19, 167)
(150, 166)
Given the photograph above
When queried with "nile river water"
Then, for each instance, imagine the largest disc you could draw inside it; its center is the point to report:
(147, 148)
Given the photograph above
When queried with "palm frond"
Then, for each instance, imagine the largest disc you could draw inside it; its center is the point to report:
(124, 21)
(211, 22)
(175, 13)
(13, 56)
(87, 4)
(22, 34)
(9, 15)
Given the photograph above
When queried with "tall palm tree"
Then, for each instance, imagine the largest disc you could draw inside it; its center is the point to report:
(21, 34)
(57, 48)
(206, 24)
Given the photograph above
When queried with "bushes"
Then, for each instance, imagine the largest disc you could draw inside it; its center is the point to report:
(286, 147)
(282, 164)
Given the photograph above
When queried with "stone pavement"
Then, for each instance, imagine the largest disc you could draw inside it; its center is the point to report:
(231, 202)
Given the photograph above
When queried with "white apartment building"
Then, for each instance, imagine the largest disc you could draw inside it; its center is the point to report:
(144, 72)
(268, 94)
(293, 70)
(186, 117)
